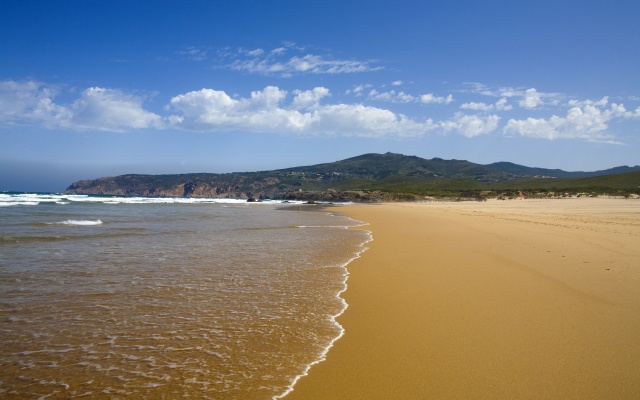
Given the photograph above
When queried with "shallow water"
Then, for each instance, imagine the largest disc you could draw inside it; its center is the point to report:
(152, 298)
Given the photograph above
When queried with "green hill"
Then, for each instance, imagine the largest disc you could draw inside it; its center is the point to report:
(387, 172)
(521, 170)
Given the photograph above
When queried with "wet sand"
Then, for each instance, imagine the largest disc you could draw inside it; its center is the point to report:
(526, 299)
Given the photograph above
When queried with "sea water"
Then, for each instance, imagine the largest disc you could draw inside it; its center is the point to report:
(163, 298)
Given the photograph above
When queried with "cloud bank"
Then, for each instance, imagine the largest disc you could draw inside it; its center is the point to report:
(588, 122)
(210, 110)
(97, 108)
(299, 112)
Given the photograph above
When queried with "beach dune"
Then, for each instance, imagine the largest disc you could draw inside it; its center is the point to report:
(522, 299)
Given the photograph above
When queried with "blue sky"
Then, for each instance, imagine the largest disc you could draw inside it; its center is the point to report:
(90, 89)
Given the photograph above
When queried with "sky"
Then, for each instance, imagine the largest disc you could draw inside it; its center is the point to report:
(103, 88)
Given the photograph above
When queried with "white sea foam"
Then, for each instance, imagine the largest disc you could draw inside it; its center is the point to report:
(78, 222)
(18, 203)
(323, 226)
(323, 355)
(33, 199)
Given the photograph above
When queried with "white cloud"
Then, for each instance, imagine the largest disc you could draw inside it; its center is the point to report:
(588, 122)
(194, 53)
(600, 103)
(430, 98)
(477, 88)
(529, 99)
(470, 125)
(396, 83)
(403, 97)
(501, 105)
(30, 102)
(97, 108)
(391, 96)
(532, 99)
(111, 110)
(477, 106)
(210, 110)
(310, 63)
(358, 89)
(633, 115)
(309, 98)
(255, 52)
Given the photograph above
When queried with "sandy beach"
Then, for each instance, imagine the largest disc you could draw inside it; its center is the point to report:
(521, 299)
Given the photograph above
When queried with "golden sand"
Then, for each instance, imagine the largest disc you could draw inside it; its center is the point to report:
(522, 299)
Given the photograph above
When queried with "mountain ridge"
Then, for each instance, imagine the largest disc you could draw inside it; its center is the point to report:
(348, 174)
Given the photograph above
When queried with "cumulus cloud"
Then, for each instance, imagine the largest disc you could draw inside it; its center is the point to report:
(96, 109)
(634, 115)
(308, 98)
(403, 97)
(477, 106)
(588, 122)
(396, 83)
(391, 96)
(529, 99)
(501, 105)
(111, 110)
(26, 102)
(470, 125)
(430, 98)
(600, 103)
(211, 110)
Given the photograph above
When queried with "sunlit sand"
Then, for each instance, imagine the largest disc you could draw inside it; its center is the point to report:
(500, 299)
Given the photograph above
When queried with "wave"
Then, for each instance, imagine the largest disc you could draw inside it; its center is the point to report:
(10, 239)
(323, 356)
(33, 199)
(77, 222)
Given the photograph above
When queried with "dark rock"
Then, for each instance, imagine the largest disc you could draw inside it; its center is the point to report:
(250, 200)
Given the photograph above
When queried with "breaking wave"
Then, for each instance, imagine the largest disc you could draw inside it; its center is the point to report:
(77, 222)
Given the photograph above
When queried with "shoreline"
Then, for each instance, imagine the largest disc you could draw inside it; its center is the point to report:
(454, 300)
(323, 355)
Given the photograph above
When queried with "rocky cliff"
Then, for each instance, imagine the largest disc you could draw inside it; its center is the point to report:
(130, 187)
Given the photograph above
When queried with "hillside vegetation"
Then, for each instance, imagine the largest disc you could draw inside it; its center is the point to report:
(393, 173)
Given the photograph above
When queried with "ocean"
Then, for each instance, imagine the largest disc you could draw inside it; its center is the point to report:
(162, 298)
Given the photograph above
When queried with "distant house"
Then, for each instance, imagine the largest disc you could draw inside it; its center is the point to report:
(331, 190)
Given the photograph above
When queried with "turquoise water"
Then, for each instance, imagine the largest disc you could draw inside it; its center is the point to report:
(112, 297)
